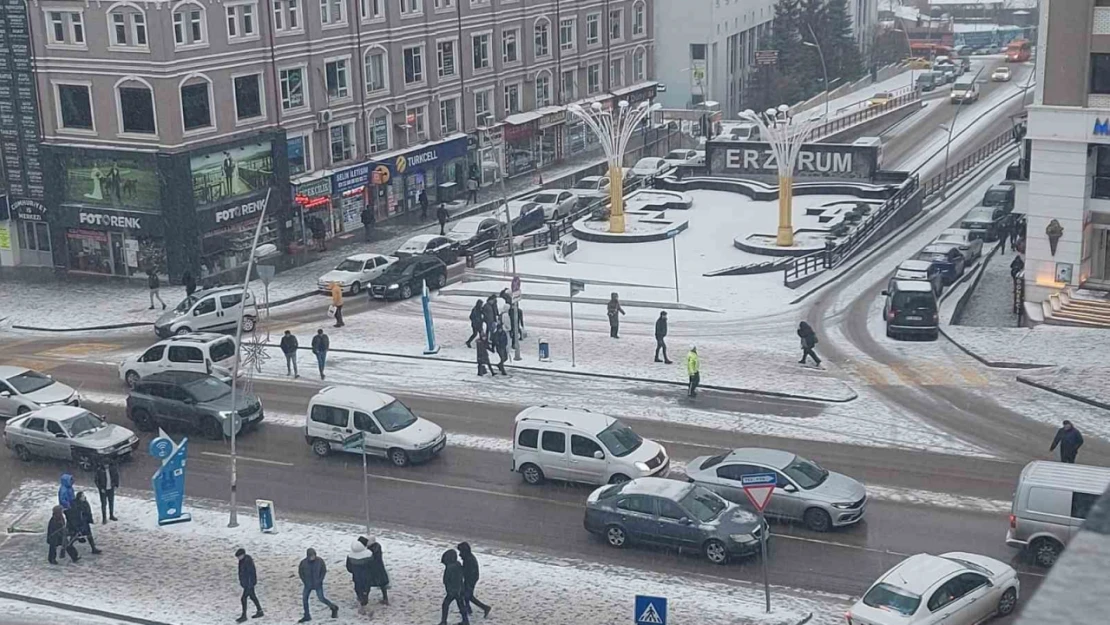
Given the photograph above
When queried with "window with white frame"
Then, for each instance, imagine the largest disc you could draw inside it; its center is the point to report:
(639, 71)
(593, 79)
(512, 99)
(417, 119)
(593, 29)
(616, 73)
(371, 9)
(569, 85)
(542, 36)
(341, 137)
(136, 108)
(240, 22)
(74, 106)
(248, 97)
(333, 12)
(287, 16)
(480, 45)
(510, 51)
(67, 28)
(336, 78)
(376, 76)
(411, 7)
(414, 64)
(379, 132)
(127, 28)
(566, 34)
(483, 105)
(616, 24)
(543, 90)
(292, 88)
(449, 115)
(445, 58)
(639, 16)
(196, 104)
(444, 4)
(189, 26)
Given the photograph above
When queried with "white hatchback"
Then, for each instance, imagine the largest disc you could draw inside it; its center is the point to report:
(203, 352)
(355, 272)
(970, 246)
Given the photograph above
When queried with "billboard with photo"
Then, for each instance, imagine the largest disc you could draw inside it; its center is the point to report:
(110, 180)
(231, 172)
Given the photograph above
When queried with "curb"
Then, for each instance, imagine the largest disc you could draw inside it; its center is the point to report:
(80, 610)
(605, 376)
(1079, 398)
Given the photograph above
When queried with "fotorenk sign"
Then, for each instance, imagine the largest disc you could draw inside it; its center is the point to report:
(827, 161)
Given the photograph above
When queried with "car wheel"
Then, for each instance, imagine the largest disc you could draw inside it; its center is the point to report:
(22, 410)
(22, 453)
(131, 379)
(715, 551)
(1045, 552)
(441, 280)
(356, 288)
(183, 330)
(618, 478)
(212, 429)
(406, 291)
(142, 419)
(532, 474)
(84, 461)
(321, 447)
(817, 520)
(615, 536)
(248, 324)
(1007, 602)
(398, 457)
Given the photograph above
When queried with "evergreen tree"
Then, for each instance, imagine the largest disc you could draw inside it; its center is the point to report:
(841, 51)
(784, 86)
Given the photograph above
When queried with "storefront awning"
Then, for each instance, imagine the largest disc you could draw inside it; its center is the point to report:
(640, 86)
(519, 119)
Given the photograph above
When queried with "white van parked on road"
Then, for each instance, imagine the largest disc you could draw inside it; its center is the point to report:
(210, 310)
(203, 352)
(577, 445)
(1051, 501)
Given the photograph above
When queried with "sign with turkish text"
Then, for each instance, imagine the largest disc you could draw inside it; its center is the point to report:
(169, 480)
(759, 487)
(19, 113)
(350, 179)
(756, 161)
(28, 210)
(99, 219)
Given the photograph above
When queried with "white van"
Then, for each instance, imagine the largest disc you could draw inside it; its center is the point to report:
(203, 352)
(389, 428)
(576, 445)
(1051, 501)
(209, 311)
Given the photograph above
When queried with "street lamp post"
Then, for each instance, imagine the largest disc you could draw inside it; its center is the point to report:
(948, 145)
(613, 130)
(824, 69)
(785, 135)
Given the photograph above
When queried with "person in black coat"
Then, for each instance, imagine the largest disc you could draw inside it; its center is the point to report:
(501, 344)
(80, 520)
(490, 314)
(312, 571)
(660, 336)
(476, 319)
(482, 349)
(1069, 440)
(189, 282)
(107, 481)
(809, 341)
(379, 578)
(454, 587)
(470, 579)
(441, 216)
(289, 347)
(57, 537)
(248, 579)
(367, 218)
(422, 198)
(359, 563)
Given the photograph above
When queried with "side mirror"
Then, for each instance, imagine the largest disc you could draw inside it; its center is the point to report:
(885, 293)
(59, 435)
(5, 394)
(685, 520)
(196, 311)
(598, 455)
(790, 488)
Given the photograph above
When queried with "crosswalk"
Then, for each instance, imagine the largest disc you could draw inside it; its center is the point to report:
(918, 374)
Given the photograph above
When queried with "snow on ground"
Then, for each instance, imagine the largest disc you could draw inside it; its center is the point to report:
(991, 304)
(22, 613)
(1087, 382)
(186, 574)
(1038, 346)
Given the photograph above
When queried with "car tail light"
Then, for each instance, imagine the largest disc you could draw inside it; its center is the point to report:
(936, 318)
(1013, 522)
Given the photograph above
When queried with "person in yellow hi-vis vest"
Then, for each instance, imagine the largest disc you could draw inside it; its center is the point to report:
(337, 303)
(693, 368)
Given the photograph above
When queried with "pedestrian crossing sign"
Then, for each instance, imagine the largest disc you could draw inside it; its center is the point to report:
(650, 610)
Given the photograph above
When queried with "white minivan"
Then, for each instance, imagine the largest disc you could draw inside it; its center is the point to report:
(204, 352)
(1050, 504)
(210, 310)
(576, 445)
(389, 428)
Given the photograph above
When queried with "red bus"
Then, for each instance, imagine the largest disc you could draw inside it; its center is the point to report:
(928, 50)
(1019, 51)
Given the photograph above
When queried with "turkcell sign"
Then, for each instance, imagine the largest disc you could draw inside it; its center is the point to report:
(1102, 127)
(238, 212)
(819, 162)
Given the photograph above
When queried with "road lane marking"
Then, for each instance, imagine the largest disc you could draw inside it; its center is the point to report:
(248, 458)
(833, 543)
(78, 349)
(470, 489)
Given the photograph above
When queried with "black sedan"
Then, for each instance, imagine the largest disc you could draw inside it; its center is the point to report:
(443, 248)
(985, 222)
(407, 276)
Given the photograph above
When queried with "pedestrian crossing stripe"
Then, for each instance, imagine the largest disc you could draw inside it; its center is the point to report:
(650, 616)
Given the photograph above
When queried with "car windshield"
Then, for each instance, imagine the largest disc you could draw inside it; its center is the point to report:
(647, 163)
(676, 155)
(619, 439)
(349, 265)
(971, 565)
(806, 473)
(995, 198)
(702, 504)
(396, 270)
(951, 237)
(29, 382)
(465, 228)
(207, 389)
(83, 424)
(394, 416)
(911, 274)
(186, 304)
(222, 350)
(585, 184)
(712, 461)
(545, 198)
(887, 597)
(913, 300)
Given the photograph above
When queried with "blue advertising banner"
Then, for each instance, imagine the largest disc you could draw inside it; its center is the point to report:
(422, 159)
(350, 179)
(169, 480)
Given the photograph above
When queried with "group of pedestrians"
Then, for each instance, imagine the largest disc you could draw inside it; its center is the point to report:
(72, 519)
(489, 332)
(320, 346)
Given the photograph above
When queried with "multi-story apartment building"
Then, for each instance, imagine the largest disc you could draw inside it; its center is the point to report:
(165, 122)
(1067, 197)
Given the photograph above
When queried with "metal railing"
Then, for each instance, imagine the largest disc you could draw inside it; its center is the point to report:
(834, 126)
(954, 172)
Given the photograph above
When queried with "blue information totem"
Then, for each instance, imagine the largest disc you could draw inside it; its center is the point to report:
(169, 479)
(429, 325)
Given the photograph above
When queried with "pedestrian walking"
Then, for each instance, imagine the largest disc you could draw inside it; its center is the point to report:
(312, 571)
(809, 340)
(379, 578)
(358, 565)
(471, 191)
(693, 369)
(367, 218)
(441, 216)
(470, 579)
(1017, 265)
(1070, 440)
(490, 314)
(320, 233)
(613, 309)
(65, 491)
(422, 198)
(153, 283)
(289, 348)
(501, 344)
(320, 345)
(482, 349)
(189, 282)
(248, 580)
(660, 336)
(1005, 228)
(454, 587)
(477, 317)
(57, 537)
(107, 481)
(337, 303)
(79, 518)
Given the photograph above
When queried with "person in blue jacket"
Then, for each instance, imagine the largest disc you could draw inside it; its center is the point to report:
(65, 492)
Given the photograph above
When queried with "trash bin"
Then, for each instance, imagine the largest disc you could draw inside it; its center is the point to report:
(265, 515)
(545, 351)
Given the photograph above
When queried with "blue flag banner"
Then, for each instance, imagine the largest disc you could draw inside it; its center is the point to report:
(169, 479)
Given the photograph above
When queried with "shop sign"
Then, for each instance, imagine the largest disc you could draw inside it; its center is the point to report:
(350, 179)
(553, 119)
(117, 221)
(640, 95)
(380, 175)
(240, 211)
(420, 160)
(522, 132)
(313, 189)
(28, 210)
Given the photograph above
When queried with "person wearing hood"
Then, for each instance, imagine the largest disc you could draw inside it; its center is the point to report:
(57, 537)
(482, 350)
(359, 563)
(500, 340)
(65, 491)
(693, 369)
(454, 587)
(476, 320)
(80, 520)
(660, 337)
(470, 578)
(312, 571)
(107, 481)
(248, 579)
(809, 341)
(379, 577)
(490, 313)
(613, 310)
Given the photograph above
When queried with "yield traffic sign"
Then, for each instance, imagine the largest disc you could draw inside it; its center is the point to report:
(759, 487)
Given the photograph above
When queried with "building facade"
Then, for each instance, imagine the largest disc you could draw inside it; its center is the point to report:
(1067, 196)
(332, 106)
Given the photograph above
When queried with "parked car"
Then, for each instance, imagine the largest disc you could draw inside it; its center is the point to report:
(577, 445)
(947, 71)
(471, 231)
(23, 390)
(389, 429)
(950, 589)
(674, 158)
(970, 245)
(1051, 502)
(919, 63)
(1001, 74)
(743, 132)
(675, 514)
(210, 310)
(918, 270)
(201, 352)
(407, 276)
(985, 222)
(193, 401)
(591, 188)
(927, 81)
(68, 433)
(1000, 195)
(880, 98)
(441, 247)
(556, 203)
(355, 272)
(911, 309)
(804, 492)
(651, 167)
(947, 257)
